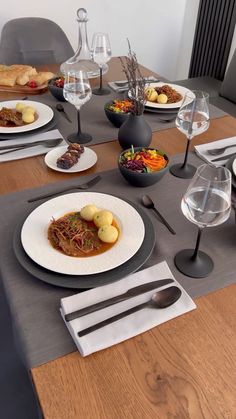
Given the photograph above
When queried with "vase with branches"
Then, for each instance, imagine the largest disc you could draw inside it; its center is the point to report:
(135, 131)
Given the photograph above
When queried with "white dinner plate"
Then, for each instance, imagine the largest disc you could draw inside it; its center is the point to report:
(87, 159)
(234, 167)
(180, 89)
(38, 248)
(44, 112)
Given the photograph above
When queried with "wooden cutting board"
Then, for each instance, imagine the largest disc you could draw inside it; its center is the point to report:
(24, 89)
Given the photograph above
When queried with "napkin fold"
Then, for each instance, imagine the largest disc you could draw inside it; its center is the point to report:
(129, 326)
(32, 151)
(201, 150)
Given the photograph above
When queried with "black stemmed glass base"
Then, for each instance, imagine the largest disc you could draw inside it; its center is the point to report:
(81, 138)
(183, 170)
(195, 267)
(101, 91)
(186, 171)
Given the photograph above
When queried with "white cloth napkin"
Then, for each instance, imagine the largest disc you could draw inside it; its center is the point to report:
(32, 151)
(201, 150)
(129, 326)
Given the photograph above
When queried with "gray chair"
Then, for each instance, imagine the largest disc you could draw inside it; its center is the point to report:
(221, 93)
(228, 86)
(33, 41)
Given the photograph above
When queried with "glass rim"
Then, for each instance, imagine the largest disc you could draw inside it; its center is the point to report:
(227, 171)
(75, 72)
(204, 94)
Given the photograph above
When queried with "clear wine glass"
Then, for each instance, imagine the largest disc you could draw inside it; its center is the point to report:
(101, 51)
(77, 91)
(206, 203)
(192, 119)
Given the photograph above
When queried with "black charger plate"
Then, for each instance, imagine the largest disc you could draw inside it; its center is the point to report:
(94, 280)
(160, 111)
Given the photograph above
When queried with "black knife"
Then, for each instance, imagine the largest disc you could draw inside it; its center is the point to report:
(132, 292)
(226, 157)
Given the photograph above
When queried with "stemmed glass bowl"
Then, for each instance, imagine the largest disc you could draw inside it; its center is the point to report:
(101, 51)
(77, 91)
(192, 119)
(206, 203)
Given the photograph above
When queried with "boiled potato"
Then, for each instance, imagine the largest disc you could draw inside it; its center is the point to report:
(20, 107)
(29, 109)
(151, 94)
(108, 233)
(28, 117)
(162, 98)
(88, 212)
(102, 218)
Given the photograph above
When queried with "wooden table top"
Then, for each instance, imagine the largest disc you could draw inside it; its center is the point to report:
(185, 368)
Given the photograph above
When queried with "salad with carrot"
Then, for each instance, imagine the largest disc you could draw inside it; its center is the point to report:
(121, 106)
(145, 160)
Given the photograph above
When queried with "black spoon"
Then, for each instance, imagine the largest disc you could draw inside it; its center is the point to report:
(60, 108)
(160, 299)
(148, 203)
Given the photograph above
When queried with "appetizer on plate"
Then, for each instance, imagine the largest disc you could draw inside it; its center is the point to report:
(70, 157)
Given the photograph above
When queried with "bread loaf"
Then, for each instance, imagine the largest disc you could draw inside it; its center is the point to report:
(19, 74)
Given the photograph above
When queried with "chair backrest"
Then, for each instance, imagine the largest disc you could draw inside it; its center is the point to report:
(228, 86)
(33, 41)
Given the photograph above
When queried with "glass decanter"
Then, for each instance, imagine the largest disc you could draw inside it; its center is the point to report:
(82, 60)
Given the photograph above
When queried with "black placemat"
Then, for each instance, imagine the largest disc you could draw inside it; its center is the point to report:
(35, 304)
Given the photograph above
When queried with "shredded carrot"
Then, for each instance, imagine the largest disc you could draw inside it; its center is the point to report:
(156, 163)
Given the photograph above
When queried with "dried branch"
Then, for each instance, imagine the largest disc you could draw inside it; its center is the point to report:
(135, 80)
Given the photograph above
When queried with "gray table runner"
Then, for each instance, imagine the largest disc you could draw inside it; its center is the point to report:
(35, 305)
(95, 122)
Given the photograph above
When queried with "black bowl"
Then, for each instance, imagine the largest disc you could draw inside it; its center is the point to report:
(56, 91)
(142, 179)
(116, 118)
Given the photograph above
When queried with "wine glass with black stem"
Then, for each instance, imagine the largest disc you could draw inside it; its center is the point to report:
(192, 119)
(77, 91)
(101, 51)
(206, 203)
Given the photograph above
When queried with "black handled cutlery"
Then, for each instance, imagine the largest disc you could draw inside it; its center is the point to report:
(226, 157)
(47, 143)
(159, 300)
(85, 185)
(132, 292)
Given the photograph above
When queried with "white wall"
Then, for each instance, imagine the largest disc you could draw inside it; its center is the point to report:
(159, 31)
(187, 38)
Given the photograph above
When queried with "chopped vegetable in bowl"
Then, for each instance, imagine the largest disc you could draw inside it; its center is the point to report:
(145, 160)
(121, 106)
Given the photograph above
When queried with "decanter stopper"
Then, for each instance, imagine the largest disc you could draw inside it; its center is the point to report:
(82, 60)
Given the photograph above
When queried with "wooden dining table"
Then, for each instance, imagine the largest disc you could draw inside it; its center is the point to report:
(185, 368)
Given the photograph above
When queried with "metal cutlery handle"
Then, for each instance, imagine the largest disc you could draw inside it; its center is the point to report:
(49, 195)
(164, 221)
(26, 145)
(226, 157)
(68, 188)
(11, 149)
(112, 319)
(132, 292)
(220, 149)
